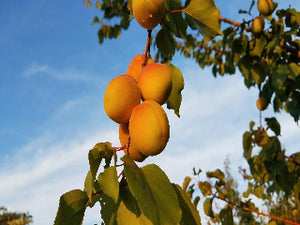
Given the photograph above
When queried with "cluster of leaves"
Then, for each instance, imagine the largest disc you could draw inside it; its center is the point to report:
(273, 178)
(269, 61)
(14, 218)
(142, 196)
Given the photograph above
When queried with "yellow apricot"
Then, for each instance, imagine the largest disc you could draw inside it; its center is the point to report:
(258, 25)
(155, 82)
(265, 7)
(122, 94)
(148, 13)
(136, 65)
(149, 128)
(261, 103)
(130, 150)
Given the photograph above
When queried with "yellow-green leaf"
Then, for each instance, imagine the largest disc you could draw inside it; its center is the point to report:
(175, 97)
(109, 184)
(206, 16)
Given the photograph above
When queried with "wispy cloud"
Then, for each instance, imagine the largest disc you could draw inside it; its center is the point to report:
(215, 112)
(65, 74)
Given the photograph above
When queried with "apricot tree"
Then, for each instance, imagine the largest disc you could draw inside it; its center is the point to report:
(266, 51)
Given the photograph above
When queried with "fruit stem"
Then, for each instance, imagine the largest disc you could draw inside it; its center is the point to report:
(147, 49)
(119, 148)
(176, 11)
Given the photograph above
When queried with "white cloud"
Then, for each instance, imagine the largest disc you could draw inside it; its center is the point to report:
(65, 74)
(214, 114)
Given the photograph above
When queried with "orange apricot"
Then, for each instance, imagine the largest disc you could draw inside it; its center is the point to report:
(258, 25)
(130, 150)
(148, 13)
(121, 96)
(149, 128)
(265, 7)
(155, 82)
(136, 65)
(261, 103)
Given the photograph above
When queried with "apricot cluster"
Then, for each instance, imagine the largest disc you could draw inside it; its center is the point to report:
(133, 100)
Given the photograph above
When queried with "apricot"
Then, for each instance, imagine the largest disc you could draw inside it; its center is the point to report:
(149, 128)
(136, 65)
(261, 103)
(258, 25)
(122, 94)
(129, 148)
(265, 7)
(148, 13)
(155, 82)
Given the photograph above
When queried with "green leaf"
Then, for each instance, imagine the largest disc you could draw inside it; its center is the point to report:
(88, 185)
(190, 214)
(186, 183)
(100, 151)
(259, 46)
(207, 207)
(279, 78)
(206, 17)
(244, 67)
(273, 124)
(165, 42)
(175, 98)
(216, 174)
(71, 208)
(247, 145)
(258, 73)
(153, 192)
(109, 184)
(108, 210)
(226, 216)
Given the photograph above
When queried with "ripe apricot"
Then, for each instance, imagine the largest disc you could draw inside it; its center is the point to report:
(129, 148)
(258, 25)
(149, 128)
(265, 7)
(261, 103)
(136, 65)
(155, 82)
(148, 13)
(121, 96)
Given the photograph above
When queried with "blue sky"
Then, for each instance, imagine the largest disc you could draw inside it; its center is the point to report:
(53, 74)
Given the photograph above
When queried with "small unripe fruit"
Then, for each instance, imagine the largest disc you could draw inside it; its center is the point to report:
(265, 7)
(136, 65)
(149, 128)
(258, 25)
(148, 13)
(121, 96)
(155, 82)
(130, 150)
(261, 103)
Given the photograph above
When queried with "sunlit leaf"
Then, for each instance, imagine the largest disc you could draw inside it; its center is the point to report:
(109, 184)
(190, 214)
(88, 185)
(153, 192)
(71, 208)
(206, 17)
(99, 152)
(175, 98)
(207, 207)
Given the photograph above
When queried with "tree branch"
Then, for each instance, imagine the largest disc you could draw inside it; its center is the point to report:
(251, 210)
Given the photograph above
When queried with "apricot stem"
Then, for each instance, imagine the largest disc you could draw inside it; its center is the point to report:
(117, 149)
(147, 49)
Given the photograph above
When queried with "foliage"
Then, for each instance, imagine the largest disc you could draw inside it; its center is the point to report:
(268, 61)
(14, 218)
